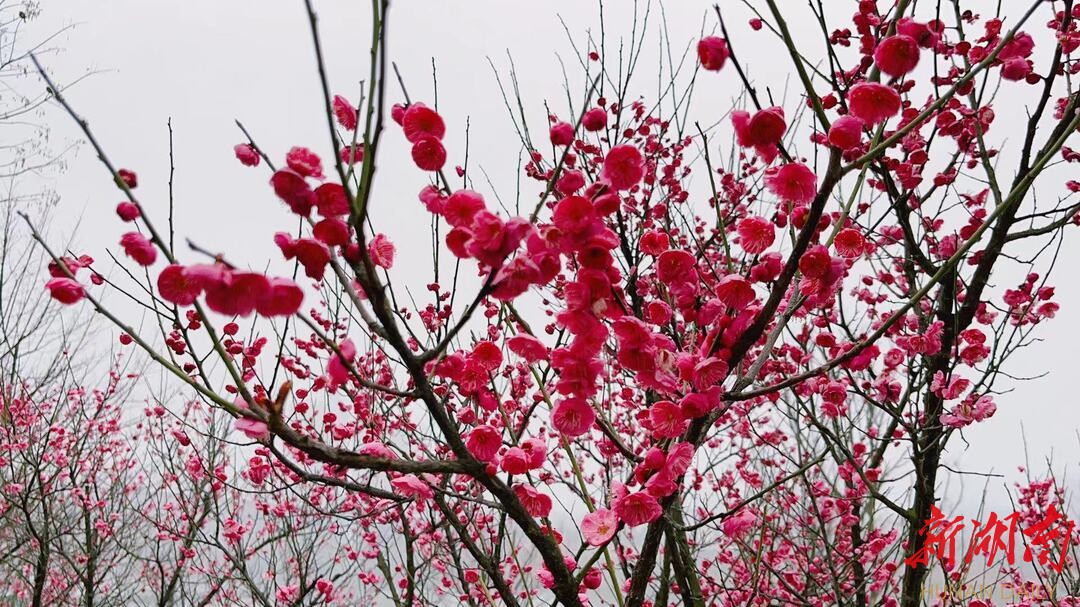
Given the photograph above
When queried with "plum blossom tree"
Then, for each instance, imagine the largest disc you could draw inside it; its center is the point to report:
(67, 476)
(639, 387)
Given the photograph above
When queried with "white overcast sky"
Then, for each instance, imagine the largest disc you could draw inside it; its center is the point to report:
(205, 63)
